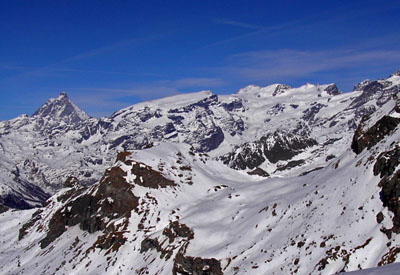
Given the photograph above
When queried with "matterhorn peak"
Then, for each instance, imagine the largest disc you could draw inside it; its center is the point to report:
(61, 108)
(63, 94)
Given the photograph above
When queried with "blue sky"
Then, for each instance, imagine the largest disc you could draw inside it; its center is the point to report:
(110, 54)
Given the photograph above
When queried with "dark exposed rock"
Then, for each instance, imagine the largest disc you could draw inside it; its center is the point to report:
(387, 162)
(331, 141)
(390, 197)
(130, 142)
(367, 139)
(3, 208)
(275, 110)
(160, 132)
(360, 86)
(71, 182)
(176, 119)
(111, 199)
(148, 244)
(290, 164)
(146, 114)
(259, 172)
(176, 229)
(329, 157)
(285, 146)
(121, 156)
(147, 177)
(385, 166)
(24, 229)
(280, 89)
(204, 103)
(173, 231)
(211, 140)
(186, 265)
(249, 156)
(311, 171)
(309, 114)
(332, 89)
(379, 217)
(274, 147)
(234, 105)
(375, 89)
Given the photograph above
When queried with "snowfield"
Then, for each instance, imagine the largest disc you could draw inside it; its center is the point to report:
(176, 208)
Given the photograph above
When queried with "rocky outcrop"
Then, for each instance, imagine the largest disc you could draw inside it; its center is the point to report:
(272, 147)
(280, 89)
(3, 208)
(385, 166)
(379, 90)
(387, 163)
(147, 177)
(368, 138)
(280, 146)
(96, 208)
(361, 86)
(186, 265)
(176, 229)
(259, 172)
(111, 199)
(249, 155)
(332, 89)
(175, 237)
(390, 195)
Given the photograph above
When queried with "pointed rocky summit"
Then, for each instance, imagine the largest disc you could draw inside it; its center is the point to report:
(61, 108)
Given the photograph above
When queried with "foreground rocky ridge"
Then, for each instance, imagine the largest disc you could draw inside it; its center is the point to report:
(242, 130)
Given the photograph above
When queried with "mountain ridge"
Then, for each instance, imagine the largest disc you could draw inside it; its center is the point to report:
(301, 182)
(315, 115)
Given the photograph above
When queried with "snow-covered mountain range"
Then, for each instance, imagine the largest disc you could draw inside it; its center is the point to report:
(269, 180)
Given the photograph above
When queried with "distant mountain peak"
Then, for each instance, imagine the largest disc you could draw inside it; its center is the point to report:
(396, 73)
(63, 94)
(61, 108)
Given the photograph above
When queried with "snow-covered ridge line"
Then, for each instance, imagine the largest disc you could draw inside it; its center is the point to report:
(287, 131)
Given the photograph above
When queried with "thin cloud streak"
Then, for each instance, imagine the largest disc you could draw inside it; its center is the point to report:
(237, 24)
(52, 68)
(271, 30)
(266, 65)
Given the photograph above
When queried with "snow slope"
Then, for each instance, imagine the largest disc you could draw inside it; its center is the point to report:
(170, 209)
(282, 130)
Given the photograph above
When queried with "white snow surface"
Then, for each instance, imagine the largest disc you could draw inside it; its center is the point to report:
(278, 225)
(320, 222)
(60, 140)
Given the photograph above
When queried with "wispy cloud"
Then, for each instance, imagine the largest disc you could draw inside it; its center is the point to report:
(194, 82)
(283, 64)
(237, 24)
(58, 66)
(255, 30)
